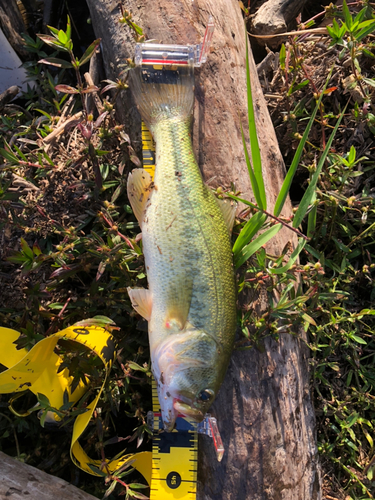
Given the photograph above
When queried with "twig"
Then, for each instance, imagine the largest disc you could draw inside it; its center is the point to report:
(280, 221)
(318, 31)
(58, 130)
(94, 95)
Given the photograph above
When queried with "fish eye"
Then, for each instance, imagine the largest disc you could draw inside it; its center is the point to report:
(205, 395)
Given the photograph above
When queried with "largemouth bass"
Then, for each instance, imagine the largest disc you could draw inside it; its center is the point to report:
(190, 304)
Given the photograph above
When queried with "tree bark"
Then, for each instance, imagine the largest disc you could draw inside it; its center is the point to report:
(264, 407)
(19, 481)
(12, 25)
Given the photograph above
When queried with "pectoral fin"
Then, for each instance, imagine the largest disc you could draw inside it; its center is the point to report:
(228, 210)
(178, 303)
(139, 190)
(141, 300)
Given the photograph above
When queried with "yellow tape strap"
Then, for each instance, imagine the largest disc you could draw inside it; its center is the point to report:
(37, 370)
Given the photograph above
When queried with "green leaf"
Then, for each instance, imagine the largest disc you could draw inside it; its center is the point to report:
(311, 219)
(250, 249)
(89, 52)
(68, 28)
(43, 418)
(347, 17)
(26, 249)
(368, 437)
(36, 249)
(352, 419)
(293, 258)
(97, 471)
(62, 37)
(137, 486)
(53, 30)
(8, 155)
(44, 113)
(251, 227)
(369, 81)
(282, 56)
(367, 27)
(310, 191)
(48, 159)
(357, 339)
(253, 180)
(255, 150)
(297, 156)
(365, 312)
(19, 152)
(136, 366)
(137, 28)
(293, 88)
(352, 155)
(43, 400)
(52, 42)
(361, 14)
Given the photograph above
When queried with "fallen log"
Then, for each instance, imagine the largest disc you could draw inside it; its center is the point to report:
(264, 407)
(19, 481)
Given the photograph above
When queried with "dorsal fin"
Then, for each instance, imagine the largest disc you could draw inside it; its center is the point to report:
(139, 190)
(228, 210)
(141, 300)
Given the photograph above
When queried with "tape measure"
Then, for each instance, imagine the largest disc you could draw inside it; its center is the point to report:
(174, 457)
(148, 151)
(39, 371)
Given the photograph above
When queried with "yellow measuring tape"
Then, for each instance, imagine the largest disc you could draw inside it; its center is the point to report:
(174, 458)
(38, 371)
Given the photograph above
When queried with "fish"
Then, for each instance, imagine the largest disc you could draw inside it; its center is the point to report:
(190, 303)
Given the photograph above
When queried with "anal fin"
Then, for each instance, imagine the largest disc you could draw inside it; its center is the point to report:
(141, 300)
(139, 189)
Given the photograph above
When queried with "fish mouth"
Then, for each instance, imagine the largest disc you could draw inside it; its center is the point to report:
(179, 409)
(187, 411)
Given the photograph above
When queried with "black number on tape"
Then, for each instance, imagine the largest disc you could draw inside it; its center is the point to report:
(81, 331)
(173, 480)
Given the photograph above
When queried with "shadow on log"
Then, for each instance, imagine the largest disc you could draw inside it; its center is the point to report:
(264, 407)
(19, 481)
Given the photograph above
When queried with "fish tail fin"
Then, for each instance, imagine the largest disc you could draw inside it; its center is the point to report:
(163, 93)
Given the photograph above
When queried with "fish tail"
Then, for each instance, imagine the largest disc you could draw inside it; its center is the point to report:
(163, 93)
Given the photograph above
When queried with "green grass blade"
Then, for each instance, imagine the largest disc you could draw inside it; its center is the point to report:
(311, 219)
(249, 230)
(308, 197)
(293, 258)
(252, 247)
(255, 151)
(293, 167)
(254, 183)
(241, 200)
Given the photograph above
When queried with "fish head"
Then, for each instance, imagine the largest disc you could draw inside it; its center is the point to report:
(188, 368)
